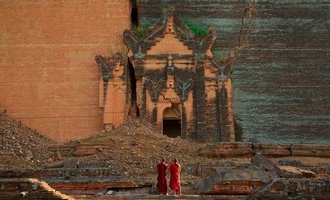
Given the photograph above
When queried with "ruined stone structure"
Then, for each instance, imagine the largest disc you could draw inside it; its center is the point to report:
(49, 82)
(281, 78)
(179, 86)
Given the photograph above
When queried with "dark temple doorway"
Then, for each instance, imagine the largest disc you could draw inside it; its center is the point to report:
(171, 128)
(172, 122)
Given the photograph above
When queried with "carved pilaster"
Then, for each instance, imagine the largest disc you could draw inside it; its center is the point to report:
(154, 114)
(222, 114)
(113, 90)
(200, 99)
(183, 121)
(230, 112)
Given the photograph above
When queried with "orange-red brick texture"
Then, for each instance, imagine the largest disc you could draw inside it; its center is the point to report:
(48, 76)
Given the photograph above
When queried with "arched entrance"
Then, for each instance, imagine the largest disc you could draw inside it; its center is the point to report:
(172, 122)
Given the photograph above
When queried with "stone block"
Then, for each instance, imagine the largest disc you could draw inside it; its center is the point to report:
(242, 187)
(56, 164)
(88, 149)
(310, 150)
(228, 150)
(272, 150)
(295, 172)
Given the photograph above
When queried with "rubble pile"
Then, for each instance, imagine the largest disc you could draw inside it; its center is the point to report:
(134, 149)
(21, 147)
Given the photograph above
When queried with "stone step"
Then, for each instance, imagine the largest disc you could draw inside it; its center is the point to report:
(94, 187)
(60, 173)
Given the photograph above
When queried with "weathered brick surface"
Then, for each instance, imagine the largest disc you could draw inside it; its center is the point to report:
(90, 186)
(281, 83)
(310, 150)
(294, 189)
(232, 180)
(59, 173)
(228, 150)
(30, 189)
(270, 150)
(48, 76)
(68, 181)
(180, 91)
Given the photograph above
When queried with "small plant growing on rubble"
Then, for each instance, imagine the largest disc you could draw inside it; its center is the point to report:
(196, 29)
(140, 31)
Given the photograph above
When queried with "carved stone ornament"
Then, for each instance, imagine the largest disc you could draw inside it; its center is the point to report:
(183, 87)
(108, 65)
(155, 87)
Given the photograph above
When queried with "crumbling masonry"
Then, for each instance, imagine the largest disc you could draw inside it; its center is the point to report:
(175, 83)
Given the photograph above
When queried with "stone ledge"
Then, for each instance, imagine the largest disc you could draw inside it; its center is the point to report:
(17, 188)
(227, 150)
(224, 150)
(92, 187)
(310, 150)
(61, 172)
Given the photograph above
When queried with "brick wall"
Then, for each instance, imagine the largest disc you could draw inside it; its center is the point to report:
(48, 76)
(281, 80)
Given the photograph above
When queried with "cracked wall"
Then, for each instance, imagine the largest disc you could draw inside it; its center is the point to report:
(281, 83)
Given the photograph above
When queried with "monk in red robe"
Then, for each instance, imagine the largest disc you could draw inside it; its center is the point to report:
(161, 177)
(175, 170)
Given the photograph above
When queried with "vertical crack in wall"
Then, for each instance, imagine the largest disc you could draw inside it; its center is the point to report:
(134, 110)
(134, 14)
(246, 23)
(243, 42)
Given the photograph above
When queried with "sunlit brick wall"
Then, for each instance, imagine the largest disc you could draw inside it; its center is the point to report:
(48, 76)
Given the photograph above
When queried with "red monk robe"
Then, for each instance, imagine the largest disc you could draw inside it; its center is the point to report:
(161, 178)
(175, 169)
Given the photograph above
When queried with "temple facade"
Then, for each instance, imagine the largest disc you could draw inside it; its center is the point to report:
(170, 78)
